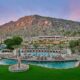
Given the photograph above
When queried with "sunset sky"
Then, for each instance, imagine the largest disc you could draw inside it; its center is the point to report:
(14, 9)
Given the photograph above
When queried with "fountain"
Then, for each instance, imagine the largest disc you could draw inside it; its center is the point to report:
(19, 67)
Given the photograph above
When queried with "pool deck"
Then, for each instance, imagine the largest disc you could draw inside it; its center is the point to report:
(29, 60)
(40, 58)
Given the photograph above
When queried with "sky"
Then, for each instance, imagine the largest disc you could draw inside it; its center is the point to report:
(11, 10)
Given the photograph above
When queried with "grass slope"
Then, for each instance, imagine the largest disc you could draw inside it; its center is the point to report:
(39, 73)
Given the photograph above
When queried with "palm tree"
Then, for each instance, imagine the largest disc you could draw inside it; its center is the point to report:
(18, 52)
(18, 56)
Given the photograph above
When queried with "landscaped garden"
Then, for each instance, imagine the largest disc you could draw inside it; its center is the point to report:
(36, 72)
(40, 73)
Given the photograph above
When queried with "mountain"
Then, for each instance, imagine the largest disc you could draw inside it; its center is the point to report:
(36, 25)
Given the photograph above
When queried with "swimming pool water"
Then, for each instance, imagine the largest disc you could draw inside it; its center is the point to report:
(58, 65)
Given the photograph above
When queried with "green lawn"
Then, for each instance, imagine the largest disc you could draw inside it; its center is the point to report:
(39, 73)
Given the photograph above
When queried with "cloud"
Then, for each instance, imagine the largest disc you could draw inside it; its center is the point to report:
(74, 10)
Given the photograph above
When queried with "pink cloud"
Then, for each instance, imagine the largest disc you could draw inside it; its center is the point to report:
(74, 10)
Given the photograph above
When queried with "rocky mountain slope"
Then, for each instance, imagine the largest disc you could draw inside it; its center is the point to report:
(36, 25)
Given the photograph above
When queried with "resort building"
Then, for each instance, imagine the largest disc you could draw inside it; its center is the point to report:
(43, 52)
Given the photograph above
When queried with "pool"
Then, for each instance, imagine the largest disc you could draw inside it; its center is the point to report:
(57, 65)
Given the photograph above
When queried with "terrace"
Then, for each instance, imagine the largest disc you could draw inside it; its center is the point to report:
(40, 54)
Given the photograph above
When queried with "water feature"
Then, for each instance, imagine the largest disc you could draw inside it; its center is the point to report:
(18, 67)
(58, 65)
